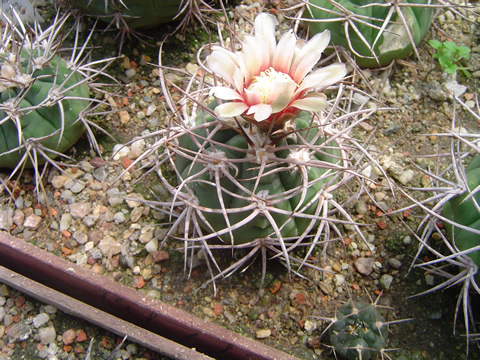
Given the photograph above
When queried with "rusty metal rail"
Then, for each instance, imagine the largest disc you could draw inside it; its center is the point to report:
(122, 310)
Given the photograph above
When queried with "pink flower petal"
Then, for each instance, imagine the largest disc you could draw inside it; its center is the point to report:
(323, 77)
(225, 93)
(251, 56)
(282, 58)
(261, 111)
(312, 102)
(253, 96)
(231, 109)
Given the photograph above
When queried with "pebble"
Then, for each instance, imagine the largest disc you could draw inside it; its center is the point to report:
(263, 333)
(364, 265)
(77, 187)
(69, 336)
(6, 219)
(152, 246)
(119, 217)
(395, 263)
(65, 221)
(146, 234)
(310, 326)
(386, 281)
(32, 222)
(124, 119)
(80, 210)
(430, 280)
(109, 246)
(114, 198)
(136, 214)
(19, 331)
(18, 217)
(40, 320)
(131, 201)
(47, 335)
(130, 73)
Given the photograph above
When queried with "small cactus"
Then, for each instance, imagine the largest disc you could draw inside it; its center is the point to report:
(375, 32)
(45, 98)
(359, 331)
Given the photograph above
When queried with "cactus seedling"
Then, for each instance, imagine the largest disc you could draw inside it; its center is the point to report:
(45, 98)
(359, 331)
(375, 32)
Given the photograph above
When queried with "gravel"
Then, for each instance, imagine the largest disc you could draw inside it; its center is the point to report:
(96, 217)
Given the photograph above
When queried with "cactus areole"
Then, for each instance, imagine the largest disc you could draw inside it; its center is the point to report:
(462, 210)
(359, 332)
(365, 23)
(234, 191)
(137, 14)
(31, 112)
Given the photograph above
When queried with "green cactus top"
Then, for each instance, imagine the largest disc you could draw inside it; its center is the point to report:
(231, 150)
(137, 14)
(388, 43)
(40, 115)
(359, 329)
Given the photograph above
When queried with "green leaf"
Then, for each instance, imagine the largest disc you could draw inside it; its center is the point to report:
(452, 69)
(464, 52)
(435, 44)
(450, 45)
(445, 61)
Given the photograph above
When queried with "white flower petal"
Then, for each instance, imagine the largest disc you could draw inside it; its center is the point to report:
(324, 77)
(281, 94)
(261, 111)
(222, 63)
(307, 56)
(265, 37)
(312, 102)
(251, 56)
(230, 109)
(225, 93)
(283, 55)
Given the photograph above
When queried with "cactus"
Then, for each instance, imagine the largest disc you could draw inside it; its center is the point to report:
(375, 32)
(465, 210)
(452, 217)
(259, 167)
(45, 98)
(359, 331)
(134, 14)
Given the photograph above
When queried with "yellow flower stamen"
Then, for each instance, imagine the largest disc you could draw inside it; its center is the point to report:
(263, 83)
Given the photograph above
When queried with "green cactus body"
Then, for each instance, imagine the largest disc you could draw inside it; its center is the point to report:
(464, 212)
(273, 185)
(392, 43)
(138, 14)
(359, 331)
(37, 116)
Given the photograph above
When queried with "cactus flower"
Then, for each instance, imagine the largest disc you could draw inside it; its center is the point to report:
(270, 81)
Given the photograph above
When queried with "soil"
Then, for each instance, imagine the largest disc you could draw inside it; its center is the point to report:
(286, 303)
